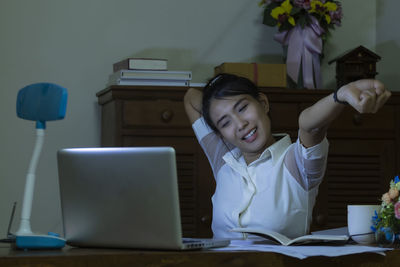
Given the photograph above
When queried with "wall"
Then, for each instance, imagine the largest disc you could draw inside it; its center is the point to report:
(388, 43)
(74, 43)
(358, 28)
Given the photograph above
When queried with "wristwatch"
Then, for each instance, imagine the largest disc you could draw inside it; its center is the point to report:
(336, 99)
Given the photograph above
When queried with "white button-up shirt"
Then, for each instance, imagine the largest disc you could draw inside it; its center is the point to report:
(276, 192)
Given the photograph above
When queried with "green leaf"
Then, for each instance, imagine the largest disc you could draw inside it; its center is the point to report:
(272, 5)
(268, 20)
(295, 10)
(302, 21)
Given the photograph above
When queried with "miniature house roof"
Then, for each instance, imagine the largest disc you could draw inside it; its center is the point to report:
(351, 53)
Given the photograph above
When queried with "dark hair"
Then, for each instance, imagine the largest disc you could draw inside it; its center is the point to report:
(223, 85)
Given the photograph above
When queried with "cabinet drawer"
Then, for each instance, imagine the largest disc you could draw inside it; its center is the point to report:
(158, 113)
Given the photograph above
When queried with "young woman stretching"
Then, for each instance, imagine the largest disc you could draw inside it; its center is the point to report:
(262, 179)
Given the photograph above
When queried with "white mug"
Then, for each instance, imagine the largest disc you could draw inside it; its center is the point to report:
(359, 222)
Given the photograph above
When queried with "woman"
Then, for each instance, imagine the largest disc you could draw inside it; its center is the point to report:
(262, 179)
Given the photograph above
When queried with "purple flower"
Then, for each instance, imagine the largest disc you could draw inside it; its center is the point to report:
(397, 210)
(302, 4)
(336, 16)
(396, 179)
(268, 2)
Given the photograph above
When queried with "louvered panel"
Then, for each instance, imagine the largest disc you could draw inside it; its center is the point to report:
(346, 173)
(187, 193)
(350, 180)
(351, 160)
(342, 185)
(352, 189)
(355, 165)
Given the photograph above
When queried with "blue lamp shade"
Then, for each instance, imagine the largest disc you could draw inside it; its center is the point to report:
(42, 102)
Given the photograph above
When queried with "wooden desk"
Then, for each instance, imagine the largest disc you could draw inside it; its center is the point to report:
(74, 257)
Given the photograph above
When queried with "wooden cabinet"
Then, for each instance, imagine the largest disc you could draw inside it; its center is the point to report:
(155, 116)
(363, 157)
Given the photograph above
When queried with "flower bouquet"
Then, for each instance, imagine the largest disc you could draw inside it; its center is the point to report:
(303, 26)
(386, 223)
(286, 14)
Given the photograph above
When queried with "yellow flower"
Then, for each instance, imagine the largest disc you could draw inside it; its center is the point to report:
(281, 13)
(323, 9)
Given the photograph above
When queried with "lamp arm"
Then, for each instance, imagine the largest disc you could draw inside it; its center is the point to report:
(25, 226)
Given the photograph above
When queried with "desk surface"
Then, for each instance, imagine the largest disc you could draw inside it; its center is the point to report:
(73, 257)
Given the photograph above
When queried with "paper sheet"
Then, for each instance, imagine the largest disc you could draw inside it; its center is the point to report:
(300, 252)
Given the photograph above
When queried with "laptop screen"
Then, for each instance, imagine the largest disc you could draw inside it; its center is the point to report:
(120, 197)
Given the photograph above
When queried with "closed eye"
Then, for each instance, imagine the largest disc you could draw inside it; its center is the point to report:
(243, 108)
(226, 123)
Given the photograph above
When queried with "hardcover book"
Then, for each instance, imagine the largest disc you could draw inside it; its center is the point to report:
(141, 64)
(149, 82)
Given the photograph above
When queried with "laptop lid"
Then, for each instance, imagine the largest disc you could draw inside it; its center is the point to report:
(120, 197)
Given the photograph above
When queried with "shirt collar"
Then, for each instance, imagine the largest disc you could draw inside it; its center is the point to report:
(235, 159)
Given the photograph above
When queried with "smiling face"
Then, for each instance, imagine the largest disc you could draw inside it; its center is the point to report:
(243, 122)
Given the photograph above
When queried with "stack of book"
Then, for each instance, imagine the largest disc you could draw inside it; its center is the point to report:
(147, 71)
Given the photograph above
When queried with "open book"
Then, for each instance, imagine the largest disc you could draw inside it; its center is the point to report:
(287, 241)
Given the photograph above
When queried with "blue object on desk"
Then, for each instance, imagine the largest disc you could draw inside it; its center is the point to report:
(38, 102)
(39, 242)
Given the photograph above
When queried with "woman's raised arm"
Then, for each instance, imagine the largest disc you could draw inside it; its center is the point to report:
(365, 96)
(193, 101)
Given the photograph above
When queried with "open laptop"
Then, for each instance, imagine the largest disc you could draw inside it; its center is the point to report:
(123, 198)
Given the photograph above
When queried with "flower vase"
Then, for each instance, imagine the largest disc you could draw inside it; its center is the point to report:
(385, 237)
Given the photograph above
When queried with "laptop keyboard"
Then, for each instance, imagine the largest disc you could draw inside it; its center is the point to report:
(191, 240)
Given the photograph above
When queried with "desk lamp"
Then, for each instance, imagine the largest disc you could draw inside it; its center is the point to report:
(38, 102)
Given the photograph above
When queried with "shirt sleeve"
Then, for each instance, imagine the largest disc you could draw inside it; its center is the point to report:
(307, 165)
(213, 145)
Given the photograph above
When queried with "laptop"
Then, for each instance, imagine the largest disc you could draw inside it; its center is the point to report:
(123, 198)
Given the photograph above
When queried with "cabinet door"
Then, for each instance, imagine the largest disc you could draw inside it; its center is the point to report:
(358, 172)
(194, 193)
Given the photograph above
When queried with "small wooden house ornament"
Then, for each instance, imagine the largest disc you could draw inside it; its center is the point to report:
(358, 63)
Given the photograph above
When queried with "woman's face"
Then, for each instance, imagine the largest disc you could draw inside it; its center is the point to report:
(243, 122)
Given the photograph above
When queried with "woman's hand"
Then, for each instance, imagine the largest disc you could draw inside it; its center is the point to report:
(365, 96)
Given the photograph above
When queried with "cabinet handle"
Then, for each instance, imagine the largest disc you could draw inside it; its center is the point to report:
(167, 115)
(357, 119)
